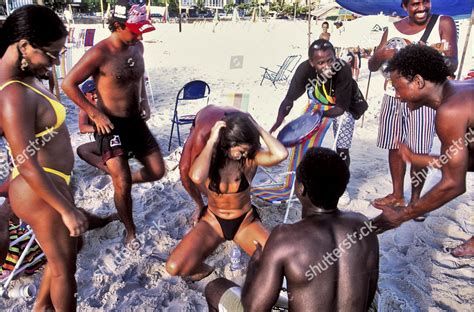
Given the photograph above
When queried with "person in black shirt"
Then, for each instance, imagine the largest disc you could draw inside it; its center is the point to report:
(328, 80)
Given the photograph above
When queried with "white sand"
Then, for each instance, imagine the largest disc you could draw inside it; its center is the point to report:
(415, 272)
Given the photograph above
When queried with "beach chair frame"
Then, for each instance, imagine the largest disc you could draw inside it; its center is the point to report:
(280, 193)
(284, 72)
(18, 266)
(191, 91)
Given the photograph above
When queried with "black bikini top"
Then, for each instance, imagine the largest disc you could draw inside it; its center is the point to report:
(244, 184)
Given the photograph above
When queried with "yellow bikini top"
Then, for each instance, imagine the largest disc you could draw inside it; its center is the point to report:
(58, 108)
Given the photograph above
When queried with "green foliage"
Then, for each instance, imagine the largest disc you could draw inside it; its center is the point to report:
(254, 4)
(173, 7)
(244, 6)
(274, 6)
(200, 6)
(94, 5)
(288, 9)
(303, 10)
(158, 2)
(229, 8)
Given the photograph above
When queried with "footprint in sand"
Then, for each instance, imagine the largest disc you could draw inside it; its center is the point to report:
(101, 182)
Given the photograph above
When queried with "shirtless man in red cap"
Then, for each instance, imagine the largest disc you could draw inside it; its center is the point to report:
(116, 64)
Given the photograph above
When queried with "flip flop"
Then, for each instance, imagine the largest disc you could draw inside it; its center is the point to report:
(421, 218)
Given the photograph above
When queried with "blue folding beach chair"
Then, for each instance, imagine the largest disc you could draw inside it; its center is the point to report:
(194, 90)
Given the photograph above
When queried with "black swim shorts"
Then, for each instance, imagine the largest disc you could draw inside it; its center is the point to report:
(130, 137)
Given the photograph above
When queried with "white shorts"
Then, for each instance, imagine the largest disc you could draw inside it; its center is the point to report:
(398, 124)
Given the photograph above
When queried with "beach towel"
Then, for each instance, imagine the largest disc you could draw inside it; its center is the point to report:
(89, 37)
(14, 252)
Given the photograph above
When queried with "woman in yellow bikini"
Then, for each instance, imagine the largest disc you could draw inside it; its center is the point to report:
(31, 41)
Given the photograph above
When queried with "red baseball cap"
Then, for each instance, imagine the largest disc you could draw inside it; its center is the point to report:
(133, 13)
(140, 27)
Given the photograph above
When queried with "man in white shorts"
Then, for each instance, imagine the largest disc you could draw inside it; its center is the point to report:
(397, 123)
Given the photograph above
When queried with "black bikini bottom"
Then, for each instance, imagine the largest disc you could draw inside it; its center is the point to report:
(231, 227)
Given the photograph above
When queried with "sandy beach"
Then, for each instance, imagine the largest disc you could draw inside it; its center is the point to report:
(416, 273)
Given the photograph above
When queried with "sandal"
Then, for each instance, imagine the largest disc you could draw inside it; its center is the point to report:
(388, 200)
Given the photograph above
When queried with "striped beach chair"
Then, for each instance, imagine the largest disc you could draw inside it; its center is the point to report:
(24, 255)
(284, 192)
(89, 37)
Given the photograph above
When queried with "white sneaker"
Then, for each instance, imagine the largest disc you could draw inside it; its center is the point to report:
(345, 199)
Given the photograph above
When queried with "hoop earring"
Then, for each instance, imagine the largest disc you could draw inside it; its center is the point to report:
(23, 64)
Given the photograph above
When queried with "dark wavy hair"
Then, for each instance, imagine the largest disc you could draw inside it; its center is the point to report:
(111, 23)
(35, 23)
(238, 130)
(420, 60)
(324, 176)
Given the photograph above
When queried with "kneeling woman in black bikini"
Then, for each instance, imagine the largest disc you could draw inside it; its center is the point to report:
(225, 168)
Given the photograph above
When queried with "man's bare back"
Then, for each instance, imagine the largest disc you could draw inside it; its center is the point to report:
(458, 99)
(329, 258)
(198, 136)
(328, 262)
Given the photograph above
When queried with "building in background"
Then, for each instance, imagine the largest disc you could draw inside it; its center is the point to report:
(219, 4)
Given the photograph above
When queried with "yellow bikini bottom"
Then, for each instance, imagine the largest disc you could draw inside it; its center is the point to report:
(65, 177)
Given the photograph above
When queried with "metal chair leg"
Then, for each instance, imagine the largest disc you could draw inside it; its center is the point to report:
(263, 77)
(171, 134)
(292, 192)
(179, 136)
(4, 287)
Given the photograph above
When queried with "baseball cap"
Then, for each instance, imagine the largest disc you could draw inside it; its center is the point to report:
(133, 14)
(88, 86)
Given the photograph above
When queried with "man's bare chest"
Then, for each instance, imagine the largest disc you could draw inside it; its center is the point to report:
(124, 68)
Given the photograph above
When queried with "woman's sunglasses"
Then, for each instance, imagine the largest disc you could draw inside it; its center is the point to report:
(52, 55)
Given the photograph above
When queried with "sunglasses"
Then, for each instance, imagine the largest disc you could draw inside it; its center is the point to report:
(52, 55)
(325, 45)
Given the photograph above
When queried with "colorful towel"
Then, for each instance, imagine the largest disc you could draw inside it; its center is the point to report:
(14, 252)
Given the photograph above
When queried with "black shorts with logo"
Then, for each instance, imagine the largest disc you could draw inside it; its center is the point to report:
(130, 138)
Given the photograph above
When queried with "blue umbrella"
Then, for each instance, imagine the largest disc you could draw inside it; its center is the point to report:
(390, 7)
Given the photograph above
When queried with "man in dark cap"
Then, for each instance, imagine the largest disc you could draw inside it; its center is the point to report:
(89, 152)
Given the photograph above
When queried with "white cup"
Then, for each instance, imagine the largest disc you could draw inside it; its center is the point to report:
(22, 291)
